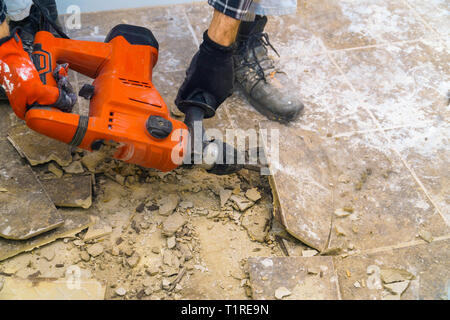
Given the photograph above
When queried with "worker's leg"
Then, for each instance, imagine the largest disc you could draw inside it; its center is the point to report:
(27, 16)
(267, 87)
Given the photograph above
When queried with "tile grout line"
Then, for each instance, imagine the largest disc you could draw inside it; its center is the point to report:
(402, 245)
(351, 133)
(191, 30)
(381, 45)
(426, 24)
(378, 124)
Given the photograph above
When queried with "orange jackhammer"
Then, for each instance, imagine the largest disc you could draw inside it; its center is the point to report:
(125, 107)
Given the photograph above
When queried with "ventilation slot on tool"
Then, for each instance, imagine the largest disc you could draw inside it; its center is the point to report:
(135, 83)
(111, 120)
(147, 103)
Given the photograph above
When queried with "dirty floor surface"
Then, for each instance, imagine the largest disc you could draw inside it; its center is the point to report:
(362, 207)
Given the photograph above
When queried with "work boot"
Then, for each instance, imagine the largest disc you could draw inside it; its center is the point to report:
(31, 25)
(268, 88)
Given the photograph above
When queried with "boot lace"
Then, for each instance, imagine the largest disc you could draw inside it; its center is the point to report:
(255, 40)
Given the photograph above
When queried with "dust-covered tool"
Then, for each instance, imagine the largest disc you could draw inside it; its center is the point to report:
(125, 107)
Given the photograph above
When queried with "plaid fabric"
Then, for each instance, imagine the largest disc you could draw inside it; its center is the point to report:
(236, 9)
(2, 11)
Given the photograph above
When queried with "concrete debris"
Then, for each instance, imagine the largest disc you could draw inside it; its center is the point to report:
(55, 170)
(395, 275)
(253, 194)
(426, 235)
(241, 202)
(256, 221)
(282, 292)
(74, 168)
(309, 253)
(224, 195)
(121, 292)
(172, 224)
(133, 260)
(85, 256)
(171, 242)
(92, 159)
(39, 149)
(339, 230)
(153, 268)
(357, 284)
(341, 213)
(168, 204)
(186, 205)
(95, 250)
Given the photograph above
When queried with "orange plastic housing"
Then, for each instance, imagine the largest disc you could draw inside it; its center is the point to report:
(123, 99)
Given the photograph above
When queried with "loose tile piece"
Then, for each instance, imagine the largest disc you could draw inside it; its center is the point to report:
(301, 184)
(74, 191)
(421, 271)
(25, 209)
(45, 289)
(75, 220)
(37, 148)
(288, 278)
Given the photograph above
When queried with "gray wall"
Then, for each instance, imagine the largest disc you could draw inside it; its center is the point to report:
(101, 5)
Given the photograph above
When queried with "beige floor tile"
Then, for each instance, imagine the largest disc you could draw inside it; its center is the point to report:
(347, 24)
(429, 263)
(403, 85)
(301, 278)
(436, 13)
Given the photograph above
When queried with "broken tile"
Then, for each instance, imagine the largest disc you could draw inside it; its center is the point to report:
(426, 266)
(46, 289)
(253, 194)
(37, 148)
(95, 250)
(224, 195)
(55, 170)
(25, 209)
(75, 168)
(75, 220)
(291, 273)
(74, 191)
(241, 202)
(395, 275)
(300, 183)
